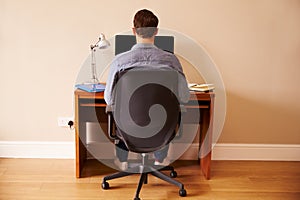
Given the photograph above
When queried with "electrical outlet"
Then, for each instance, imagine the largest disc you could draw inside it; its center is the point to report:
(63, 121)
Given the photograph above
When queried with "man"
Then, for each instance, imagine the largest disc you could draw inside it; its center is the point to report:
(144, 54)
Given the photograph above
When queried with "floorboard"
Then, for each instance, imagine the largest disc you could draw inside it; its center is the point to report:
(41, 179)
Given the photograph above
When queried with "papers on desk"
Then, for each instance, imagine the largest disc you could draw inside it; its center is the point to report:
(201, 87)
(97, 87)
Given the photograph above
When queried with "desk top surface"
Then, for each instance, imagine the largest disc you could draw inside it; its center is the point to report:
(200, 96)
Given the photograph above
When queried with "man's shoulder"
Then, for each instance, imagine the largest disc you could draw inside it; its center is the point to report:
(165, 53)
(167, 57)
(122, 57)
(123, 54)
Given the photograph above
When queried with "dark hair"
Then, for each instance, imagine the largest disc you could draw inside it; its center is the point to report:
(145, 23)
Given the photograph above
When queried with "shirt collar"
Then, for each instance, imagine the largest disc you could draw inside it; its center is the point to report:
(143, 45)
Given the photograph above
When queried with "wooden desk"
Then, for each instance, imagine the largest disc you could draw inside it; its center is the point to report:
(86, 104)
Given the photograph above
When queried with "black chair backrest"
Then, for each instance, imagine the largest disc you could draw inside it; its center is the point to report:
(146, 108)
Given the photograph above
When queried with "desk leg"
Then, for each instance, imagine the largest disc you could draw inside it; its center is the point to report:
(205, 141)
(80, 150)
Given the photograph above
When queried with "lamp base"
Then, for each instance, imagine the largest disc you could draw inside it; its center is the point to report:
(92, 81)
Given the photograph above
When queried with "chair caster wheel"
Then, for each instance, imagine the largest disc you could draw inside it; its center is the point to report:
(137, 198)
(173, 174)
(105, 185)
(182, 192)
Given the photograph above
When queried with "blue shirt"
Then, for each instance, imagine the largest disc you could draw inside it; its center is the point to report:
(145, 55)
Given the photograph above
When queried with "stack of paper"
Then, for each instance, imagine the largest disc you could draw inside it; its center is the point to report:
(201, 87)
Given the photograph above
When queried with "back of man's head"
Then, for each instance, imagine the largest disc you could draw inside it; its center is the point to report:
(145, 23)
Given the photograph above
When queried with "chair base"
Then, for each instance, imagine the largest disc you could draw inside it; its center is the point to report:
(144, 170)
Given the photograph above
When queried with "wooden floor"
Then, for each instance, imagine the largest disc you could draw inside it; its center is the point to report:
(233, 180)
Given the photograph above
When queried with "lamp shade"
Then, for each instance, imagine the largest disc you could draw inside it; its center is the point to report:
(103, 43)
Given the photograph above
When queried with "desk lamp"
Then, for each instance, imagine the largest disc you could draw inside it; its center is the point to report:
(102, 43)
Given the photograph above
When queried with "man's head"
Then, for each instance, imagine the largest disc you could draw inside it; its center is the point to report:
(145, 24)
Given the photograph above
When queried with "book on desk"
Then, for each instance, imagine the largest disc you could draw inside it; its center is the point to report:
(94, 87)
(201, 87)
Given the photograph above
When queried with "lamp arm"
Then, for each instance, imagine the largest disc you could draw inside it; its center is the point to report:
(93, 65)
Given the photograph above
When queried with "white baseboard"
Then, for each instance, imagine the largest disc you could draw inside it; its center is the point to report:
(60, 150)
(29, 149)
(264, 152)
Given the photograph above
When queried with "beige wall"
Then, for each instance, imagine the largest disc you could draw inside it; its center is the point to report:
(255, 44)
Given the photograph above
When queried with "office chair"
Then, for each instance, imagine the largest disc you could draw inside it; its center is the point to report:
(142, 129)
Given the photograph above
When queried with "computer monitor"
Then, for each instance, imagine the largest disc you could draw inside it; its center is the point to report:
(125, 42)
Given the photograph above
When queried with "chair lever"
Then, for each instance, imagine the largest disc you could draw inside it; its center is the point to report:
(180, 125)
(111, 126)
